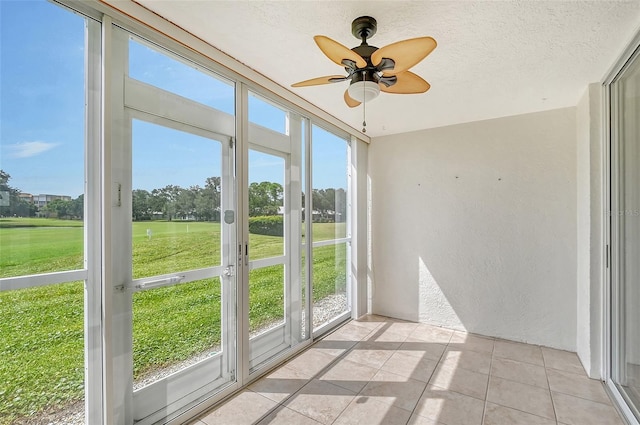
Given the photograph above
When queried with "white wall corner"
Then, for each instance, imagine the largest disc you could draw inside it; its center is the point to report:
(583, 231)
(473, 227)
(589, 229)
(596, 139)
(359, 226)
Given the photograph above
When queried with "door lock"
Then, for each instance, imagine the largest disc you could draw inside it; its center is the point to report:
(228, 271)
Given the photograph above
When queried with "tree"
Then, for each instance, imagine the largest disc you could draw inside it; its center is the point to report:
(164, 200)
(185, 201)
(77, 207)
(340, 205)
(330, 203)
(206, 200)
(322, 202)
(59, 207)
(265, 198)
(156, 202)
(204, 203)
(4, 179)
(10, 202)
(141, 205)
(213, 192)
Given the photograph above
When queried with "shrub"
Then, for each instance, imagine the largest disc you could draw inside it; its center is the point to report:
(272, 225)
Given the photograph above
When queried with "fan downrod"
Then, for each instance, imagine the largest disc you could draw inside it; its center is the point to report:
(364, 27)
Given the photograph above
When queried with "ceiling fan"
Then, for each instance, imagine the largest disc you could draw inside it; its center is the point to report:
(371, 69)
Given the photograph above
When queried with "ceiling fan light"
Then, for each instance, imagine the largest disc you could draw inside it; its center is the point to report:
(364, 91)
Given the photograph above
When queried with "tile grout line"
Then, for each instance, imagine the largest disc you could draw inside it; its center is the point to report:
(553, 403)
(517, 382)
(378, 370)
(522, 383)
(582, 398)
(522, 411)
(468, 370)
(343, 355)
(521, 361)
(380, 330)
(411, 413)
(320, 372)
(430, 376)
(526, 383)
(486, 394)
(302, 414)
(582, 376)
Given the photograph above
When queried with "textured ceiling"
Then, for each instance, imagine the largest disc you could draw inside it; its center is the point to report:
(494, 58)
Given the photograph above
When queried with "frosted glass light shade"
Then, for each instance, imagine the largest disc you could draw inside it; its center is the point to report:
(364, 91)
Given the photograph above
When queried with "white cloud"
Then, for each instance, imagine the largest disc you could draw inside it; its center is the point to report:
(29, 149)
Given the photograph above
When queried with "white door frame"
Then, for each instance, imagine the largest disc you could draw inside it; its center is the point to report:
(610, 186)
(132, 99)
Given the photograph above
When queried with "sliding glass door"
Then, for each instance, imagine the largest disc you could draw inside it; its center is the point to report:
(625, 221)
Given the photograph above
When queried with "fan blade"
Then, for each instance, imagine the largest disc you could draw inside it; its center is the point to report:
(351, 102)
(337, 52)
(404, 53)
(407, 83)
(320, 80)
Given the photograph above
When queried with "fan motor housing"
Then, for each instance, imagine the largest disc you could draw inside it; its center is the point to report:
(365, 75)
(365, 51)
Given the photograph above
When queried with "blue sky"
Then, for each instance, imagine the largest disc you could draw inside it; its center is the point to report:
(42, 112)
(41, 97)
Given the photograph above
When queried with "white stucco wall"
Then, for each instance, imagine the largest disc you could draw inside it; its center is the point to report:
(473, 227)
(590, 254)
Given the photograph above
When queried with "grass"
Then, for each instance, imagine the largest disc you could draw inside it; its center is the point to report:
(174, 246)
(41, 347)
(39, 245)
(189, 324)
(41, 329)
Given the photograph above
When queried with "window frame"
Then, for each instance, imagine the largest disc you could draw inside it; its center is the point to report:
(351, 290)
(100, 353)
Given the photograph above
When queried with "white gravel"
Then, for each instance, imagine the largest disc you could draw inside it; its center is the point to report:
(328, 308)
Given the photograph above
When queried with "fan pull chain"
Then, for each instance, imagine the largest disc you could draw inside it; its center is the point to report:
(364, 110)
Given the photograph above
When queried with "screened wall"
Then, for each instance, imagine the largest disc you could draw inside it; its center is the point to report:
(169, 230)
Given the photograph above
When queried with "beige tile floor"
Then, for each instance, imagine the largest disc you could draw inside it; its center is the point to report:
(385, 371)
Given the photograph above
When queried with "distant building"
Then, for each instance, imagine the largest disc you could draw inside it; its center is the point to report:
(26, 197)
(43, 199)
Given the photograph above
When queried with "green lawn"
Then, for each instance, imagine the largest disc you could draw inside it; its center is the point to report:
(39, 245)
(41, 329)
